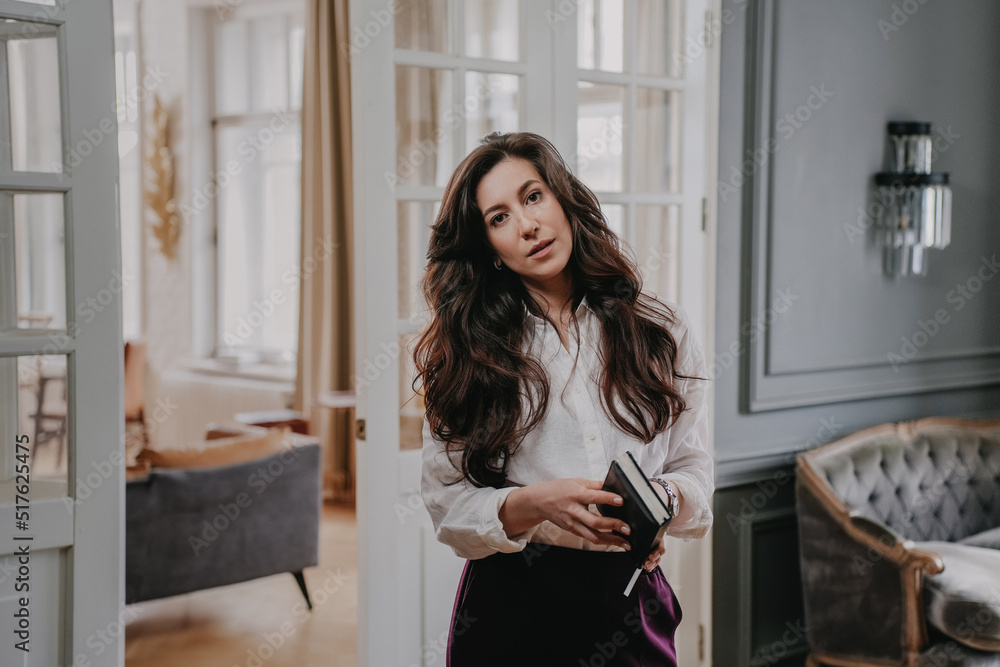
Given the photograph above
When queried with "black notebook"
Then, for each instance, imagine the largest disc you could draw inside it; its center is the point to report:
(642, 509)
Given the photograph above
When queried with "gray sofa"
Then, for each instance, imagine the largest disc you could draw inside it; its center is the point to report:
(899, 529)
(190, 529)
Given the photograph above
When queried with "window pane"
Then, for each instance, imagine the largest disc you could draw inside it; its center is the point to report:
(232, 50)
(491, 101)
(491, 29)
(269, 77)
(40, 411)
(259, 232)
(599, 136)
(422, 25)
(34, 109)
(658, 152)
(425, 126)
(656, 248)
(615, 214)
(414, 220)
(411, 414)
(296, 56)
(585, 48)
(659, 35)
(33, 227)
(129, 166)
(600, 35)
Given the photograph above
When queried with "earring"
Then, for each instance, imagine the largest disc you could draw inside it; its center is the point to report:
(497, 265)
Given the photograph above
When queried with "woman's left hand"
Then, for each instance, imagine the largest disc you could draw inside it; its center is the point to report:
(654, 557)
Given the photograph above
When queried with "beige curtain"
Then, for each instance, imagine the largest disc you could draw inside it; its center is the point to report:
(326, 322)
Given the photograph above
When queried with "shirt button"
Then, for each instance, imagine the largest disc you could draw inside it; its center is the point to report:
(591, 436)
(576, 389)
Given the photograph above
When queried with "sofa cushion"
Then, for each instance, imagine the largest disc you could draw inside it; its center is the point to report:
(138, 470)
(963, 601)
(221, 451)
(135, 442)
(989, 539)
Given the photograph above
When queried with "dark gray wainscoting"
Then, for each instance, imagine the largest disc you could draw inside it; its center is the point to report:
(757, 588)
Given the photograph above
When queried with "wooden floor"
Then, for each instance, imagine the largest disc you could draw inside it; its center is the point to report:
(259, 622)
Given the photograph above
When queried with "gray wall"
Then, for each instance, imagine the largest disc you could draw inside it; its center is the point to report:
(812, 341)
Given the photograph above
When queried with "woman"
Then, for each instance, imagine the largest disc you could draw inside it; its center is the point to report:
(530, 294)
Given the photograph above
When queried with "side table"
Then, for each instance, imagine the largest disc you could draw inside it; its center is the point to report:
(341, 478)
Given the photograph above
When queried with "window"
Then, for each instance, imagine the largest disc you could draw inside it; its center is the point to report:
(256, 55)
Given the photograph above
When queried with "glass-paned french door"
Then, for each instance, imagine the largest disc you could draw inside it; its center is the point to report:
(61, 351)
(604, 80)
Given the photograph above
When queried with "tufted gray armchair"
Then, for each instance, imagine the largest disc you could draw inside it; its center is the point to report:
(899, 530)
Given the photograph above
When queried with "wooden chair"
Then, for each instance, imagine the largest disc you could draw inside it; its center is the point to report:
(50, 413)
(51, 416)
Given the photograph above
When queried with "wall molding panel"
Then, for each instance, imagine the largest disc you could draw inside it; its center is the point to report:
(765, 384)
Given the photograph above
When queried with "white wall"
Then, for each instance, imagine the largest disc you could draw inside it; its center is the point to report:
(167, 284)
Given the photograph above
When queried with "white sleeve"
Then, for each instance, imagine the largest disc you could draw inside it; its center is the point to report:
(689, 466)
(465, 517)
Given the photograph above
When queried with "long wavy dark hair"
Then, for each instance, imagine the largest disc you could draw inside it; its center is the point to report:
(482, 393)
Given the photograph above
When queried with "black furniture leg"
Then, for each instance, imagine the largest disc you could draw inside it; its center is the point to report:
(302, 585)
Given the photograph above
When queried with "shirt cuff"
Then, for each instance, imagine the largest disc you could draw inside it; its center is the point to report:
(693, 497)
(491, 528)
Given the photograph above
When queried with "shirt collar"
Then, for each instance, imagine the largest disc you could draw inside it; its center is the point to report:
(581, 309)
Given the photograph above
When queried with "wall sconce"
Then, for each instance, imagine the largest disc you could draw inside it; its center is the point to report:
(915, 211)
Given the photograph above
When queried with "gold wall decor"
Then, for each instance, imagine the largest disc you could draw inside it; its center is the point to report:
(158, 189)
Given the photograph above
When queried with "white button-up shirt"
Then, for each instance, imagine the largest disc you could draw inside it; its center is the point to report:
(575, 438)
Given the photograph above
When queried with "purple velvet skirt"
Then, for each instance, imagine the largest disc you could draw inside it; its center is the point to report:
(554, 606)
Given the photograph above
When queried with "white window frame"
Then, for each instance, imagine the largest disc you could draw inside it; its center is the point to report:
(204, 223)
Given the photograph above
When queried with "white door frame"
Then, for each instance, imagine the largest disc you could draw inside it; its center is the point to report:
(375, 283)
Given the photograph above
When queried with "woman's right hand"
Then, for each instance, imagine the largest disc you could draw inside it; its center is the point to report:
(565, 503)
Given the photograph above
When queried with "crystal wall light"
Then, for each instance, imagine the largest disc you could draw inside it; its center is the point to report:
(915, 203)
